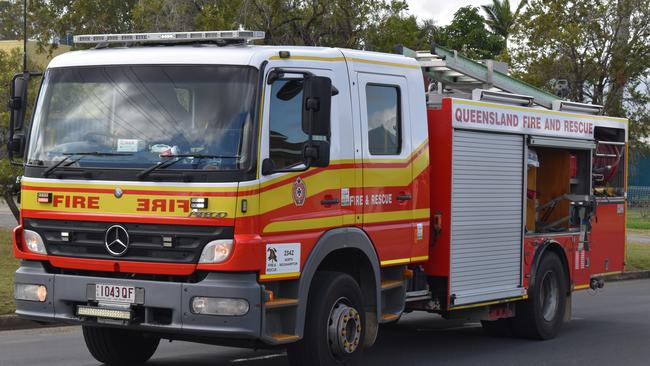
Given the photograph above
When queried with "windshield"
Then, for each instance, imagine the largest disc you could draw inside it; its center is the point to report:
(138, 116)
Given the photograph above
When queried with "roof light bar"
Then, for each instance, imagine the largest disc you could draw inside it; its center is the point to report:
(566, 106)
(502, 97)
(172, 37)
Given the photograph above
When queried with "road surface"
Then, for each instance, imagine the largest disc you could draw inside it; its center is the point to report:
(610, 328)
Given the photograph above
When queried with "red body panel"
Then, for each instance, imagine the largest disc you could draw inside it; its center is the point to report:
(607, 251)
(440, 148)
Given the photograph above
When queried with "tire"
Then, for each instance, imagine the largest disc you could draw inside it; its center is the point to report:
(119, 346)
(497, 328)
(332, 297)
(542, 315)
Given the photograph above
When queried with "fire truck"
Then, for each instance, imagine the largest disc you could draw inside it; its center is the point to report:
(194, 186)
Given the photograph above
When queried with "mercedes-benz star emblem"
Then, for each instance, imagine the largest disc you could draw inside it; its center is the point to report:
(117, 240)
(118, 192)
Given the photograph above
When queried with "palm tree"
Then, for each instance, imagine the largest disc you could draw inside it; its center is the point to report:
(500, 18)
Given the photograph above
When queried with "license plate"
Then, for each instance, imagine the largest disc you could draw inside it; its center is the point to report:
(115, 293)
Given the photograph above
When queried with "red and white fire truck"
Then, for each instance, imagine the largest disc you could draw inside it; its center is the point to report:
(193, 186)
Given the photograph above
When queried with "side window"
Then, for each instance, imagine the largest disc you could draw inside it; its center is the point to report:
(285, 120)
(384, 119)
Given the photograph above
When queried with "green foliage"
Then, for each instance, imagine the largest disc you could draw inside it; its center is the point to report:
(601, 47)
(467, 34)
(500, 19)
(10, 63)
(8, 266)
(10, 19)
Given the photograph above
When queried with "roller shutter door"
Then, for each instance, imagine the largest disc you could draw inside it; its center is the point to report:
(486, 222)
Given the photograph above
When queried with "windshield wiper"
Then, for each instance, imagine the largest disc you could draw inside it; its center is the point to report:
(81, 155)
(171, 161)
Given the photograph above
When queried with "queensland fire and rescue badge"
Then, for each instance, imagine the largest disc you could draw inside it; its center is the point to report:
(299, 192)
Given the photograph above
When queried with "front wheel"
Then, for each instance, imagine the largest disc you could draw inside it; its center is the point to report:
(542, 315)
(335, 323)
(119, 346)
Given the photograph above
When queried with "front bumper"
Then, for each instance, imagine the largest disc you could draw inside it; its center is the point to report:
(66, 292)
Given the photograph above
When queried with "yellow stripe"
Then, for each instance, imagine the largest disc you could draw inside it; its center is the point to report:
(581, 287)
(332, 221)
(606, 274)
(496, 302)
(279, 275)
(391, 262)
(342, 59)
(524, 109)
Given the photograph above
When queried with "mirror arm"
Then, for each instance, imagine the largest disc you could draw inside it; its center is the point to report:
(276, 74)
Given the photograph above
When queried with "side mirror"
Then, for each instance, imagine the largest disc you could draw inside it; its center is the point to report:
(16, 145)
(317, 153)
(17, 109)
(18, 101)
(317, 104)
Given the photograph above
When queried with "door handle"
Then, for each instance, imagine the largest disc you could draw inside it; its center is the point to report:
(404, 197)
(329, 202)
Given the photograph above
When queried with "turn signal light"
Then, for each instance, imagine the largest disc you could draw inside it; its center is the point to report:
(216, 251)
(34, 242)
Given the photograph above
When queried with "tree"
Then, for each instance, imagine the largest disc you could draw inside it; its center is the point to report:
(500, 19)
(10, 19)
(467, 33)
(601, 47)
(394, 26)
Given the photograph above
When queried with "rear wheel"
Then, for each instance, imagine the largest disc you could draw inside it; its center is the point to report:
(541, 316)
(119, 346)
(335, 323)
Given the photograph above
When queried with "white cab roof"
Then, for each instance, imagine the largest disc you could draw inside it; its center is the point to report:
(213, 55)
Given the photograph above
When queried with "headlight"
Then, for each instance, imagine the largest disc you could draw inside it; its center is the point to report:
(216, 251)
(34, 242)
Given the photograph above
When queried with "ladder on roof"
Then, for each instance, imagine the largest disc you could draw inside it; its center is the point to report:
(457, 72)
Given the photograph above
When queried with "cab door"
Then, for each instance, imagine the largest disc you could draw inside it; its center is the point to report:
(387, 198)
(297, 207)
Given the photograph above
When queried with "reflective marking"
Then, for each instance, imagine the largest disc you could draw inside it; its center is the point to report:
(404, 260)
(279, 275)
(489, 303)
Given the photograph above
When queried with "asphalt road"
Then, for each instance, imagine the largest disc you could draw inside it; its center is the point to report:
(609, 328)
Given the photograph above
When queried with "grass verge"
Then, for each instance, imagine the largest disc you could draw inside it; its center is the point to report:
(635, 220)
(8, 266)
(637, 257)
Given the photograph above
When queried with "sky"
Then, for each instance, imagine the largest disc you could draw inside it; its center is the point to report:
(442, 11)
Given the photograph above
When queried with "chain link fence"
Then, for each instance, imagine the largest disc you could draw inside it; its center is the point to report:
(638, 198)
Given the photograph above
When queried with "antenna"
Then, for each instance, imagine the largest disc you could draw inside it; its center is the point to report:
(25, 37)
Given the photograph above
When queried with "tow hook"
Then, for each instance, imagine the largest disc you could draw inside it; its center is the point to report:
(596, 284)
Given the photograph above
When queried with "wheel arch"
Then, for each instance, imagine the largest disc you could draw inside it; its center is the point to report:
(335, 250)
(553, 247)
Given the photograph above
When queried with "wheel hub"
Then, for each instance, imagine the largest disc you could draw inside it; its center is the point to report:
(550, 295)
(344, 331)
